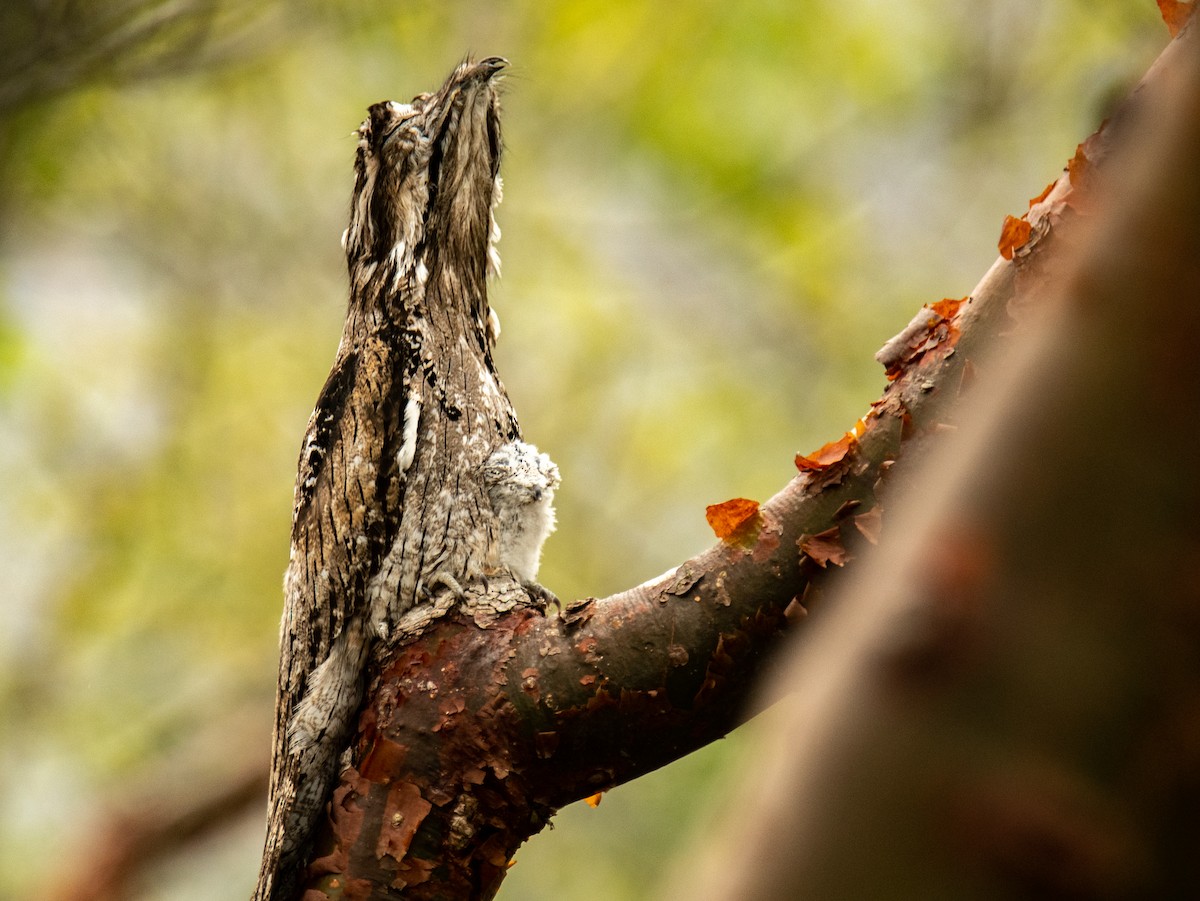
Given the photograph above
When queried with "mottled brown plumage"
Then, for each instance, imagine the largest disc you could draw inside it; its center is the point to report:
(412, 470)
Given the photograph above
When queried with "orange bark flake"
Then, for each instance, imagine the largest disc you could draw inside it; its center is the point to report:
(1014, 234)
(947, 307)
(868, 524)
(733, 518)
(831, 453)
(1077, 167)
(795, 611)
(594, 800)
(824, 548)
(404, 812)
(1175, 14)
(1045, 193)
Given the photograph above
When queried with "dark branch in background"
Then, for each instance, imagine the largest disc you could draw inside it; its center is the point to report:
(194, 793)
(49, 48)
(478, 731)
(125, 846)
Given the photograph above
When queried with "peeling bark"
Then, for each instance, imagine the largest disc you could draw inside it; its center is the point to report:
(478, 730)
(1005, 702)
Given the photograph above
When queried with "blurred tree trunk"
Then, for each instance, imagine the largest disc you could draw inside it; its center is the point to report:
(1005, 702)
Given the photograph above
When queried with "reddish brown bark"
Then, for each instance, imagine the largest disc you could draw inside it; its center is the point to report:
(479, 730)
(1009, 698)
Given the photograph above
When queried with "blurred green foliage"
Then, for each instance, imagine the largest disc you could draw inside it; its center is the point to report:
(715, 213)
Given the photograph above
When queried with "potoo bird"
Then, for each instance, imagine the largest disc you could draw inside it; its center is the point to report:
(413, 479)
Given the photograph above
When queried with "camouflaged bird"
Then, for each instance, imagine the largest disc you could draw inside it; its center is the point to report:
(413, 480)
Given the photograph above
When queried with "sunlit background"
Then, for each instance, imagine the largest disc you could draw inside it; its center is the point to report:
(714, 214)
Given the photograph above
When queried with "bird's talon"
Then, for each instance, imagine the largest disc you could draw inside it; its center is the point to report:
(541, 594)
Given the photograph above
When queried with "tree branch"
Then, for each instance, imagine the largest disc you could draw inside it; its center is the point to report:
(195, 792)
(1003, 702)
(478, 731)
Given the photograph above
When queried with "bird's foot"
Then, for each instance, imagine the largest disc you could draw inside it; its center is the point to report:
(541, 595)
(443, 580)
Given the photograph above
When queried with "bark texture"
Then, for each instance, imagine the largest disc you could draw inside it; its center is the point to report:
(478, 730)
(1005, 702)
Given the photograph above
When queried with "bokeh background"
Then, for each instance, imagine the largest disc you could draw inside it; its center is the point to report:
(714, 214)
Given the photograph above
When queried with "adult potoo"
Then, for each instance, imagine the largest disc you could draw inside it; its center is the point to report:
(413, 479)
